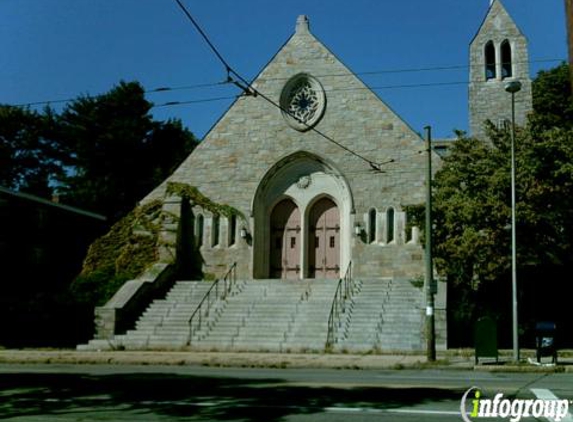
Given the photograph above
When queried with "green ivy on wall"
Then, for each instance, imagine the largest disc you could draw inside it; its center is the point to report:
(132, 245)
(197, 198)
(122, 254)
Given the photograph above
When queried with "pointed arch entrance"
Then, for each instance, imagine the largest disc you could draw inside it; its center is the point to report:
(285, 244)
(324, 240)
(302, 190)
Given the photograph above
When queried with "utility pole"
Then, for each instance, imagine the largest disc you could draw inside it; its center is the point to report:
(429, 280)
(569, 23)
(512, 87)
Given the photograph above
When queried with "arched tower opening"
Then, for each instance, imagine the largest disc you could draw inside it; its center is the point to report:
(489, 58)
(506, 60)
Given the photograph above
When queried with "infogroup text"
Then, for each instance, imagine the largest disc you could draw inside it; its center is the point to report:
(512, 409)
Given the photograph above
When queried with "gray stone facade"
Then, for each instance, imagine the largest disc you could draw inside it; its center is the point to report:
(488, 99)
(254, 156)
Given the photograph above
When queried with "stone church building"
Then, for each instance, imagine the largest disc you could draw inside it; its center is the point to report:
(312, 204)
(320, 173)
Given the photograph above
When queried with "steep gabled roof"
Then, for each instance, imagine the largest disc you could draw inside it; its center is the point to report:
(497, 9)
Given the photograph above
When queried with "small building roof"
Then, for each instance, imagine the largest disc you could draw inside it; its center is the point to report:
(46, 202)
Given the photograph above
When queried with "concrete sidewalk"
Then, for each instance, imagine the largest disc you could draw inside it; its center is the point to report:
(461, 360)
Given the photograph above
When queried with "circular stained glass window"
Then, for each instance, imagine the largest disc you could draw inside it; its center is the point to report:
(303, 102)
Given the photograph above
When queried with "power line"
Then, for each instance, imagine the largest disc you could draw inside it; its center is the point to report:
(205, 100)
(204, 35)
(228, 81)
(147, 91)
(417, 69)
(184, 87)
(418, 85)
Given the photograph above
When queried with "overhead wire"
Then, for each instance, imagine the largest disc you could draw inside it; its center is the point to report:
(163, 89)
(417, 69)
(203, 35)
(202, 100)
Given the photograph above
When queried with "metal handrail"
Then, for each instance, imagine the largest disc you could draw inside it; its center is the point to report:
(344, 291)
(212, 295)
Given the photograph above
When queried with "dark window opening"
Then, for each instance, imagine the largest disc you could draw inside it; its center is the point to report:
(232, 230)
(372, 226)
(506, 70)
(215, 231)
(390, 225)
(199, 230)
(490, 72)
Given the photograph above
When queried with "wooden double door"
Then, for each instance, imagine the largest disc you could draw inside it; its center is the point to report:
(323, 241)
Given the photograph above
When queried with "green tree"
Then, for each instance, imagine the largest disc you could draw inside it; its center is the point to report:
(552, 101)
(117, 152)
(30, 158)
(472, 204)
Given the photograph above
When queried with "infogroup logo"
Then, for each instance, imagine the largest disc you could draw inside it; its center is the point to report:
(512, 409)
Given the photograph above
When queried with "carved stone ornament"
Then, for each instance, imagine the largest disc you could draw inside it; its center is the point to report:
(304, 182)
(303, 102)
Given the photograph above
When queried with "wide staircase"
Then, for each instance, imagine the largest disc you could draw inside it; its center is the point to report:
(384, 314)
(277, 316)
(270, 315)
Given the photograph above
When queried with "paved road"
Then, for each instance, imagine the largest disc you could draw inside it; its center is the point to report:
(154, 393)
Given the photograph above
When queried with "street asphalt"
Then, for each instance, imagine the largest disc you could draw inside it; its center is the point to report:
(149, 393)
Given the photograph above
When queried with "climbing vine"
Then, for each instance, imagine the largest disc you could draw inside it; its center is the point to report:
(197, 198)
(121, 254)
(132, 245)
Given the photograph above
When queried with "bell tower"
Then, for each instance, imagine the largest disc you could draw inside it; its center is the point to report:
(498, 55)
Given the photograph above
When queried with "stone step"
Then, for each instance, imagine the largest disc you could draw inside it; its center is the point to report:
(282, 315)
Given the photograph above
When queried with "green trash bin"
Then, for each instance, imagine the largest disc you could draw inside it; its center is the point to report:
(485, 339)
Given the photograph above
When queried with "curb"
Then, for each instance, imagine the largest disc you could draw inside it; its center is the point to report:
(262, 360)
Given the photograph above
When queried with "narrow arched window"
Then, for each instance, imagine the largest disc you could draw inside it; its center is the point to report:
(389, 225)
(232, 230)
(489, 54)
(506, 65)
(215, 231)
(199, 223)
(372, 226)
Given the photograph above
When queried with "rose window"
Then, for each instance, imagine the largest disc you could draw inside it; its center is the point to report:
(303, 102)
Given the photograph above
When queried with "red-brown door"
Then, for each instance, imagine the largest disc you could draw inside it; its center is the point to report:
(324, 240)
(285, 240)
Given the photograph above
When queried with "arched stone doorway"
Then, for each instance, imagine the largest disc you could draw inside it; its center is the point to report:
(316, 187)
(285, 245)
(324, 240)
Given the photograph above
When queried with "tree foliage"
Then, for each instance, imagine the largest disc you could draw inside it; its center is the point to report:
(472, 202)
(117, 152)
(101, 153)
(29, 152)
(552, 101)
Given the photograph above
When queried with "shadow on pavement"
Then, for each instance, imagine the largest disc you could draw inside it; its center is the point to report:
(191, 397)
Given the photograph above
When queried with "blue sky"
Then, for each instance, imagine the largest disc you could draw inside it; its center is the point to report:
(59, 49)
